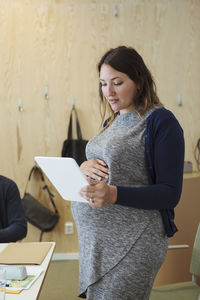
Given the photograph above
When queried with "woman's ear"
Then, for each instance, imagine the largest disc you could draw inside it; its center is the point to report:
(138, 87)
(138, 90)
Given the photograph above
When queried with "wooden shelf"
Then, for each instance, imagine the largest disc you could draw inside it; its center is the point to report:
(191, 175)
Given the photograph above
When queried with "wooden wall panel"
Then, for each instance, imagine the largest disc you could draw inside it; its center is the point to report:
(57, 43)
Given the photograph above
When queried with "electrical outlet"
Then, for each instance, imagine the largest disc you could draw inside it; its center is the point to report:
(69, 228)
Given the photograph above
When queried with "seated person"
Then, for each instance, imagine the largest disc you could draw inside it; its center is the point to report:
(13, 225)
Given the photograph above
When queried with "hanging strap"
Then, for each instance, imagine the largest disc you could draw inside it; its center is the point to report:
(41, 235)
(45, 187)
(78, 128)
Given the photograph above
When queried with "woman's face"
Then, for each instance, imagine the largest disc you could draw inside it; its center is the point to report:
(118, 89)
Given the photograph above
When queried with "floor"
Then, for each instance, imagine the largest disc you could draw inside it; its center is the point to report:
(61, 282)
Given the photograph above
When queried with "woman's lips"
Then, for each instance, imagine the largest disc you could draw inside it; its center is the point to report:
(113, 101)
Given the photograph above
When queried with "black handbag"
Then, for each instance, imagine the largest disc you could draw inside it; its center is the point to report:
(36, 213)
(74, 148)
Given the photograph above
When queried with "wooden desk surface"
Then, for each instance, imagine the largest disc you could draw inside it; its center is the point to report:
(33, 292)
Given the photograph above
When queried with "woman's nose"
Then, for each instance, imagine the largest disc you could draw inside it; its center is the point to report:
(110, 90)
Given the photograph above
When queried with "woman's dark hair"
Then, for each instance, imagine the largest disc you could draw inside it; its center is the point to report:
(127, 60)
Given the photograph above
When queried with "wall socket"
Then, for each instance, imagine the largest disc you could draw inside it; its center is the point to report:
(69, 228)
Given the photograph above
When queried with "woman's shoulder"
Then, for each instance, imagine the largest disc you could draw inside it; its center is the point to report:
(160, 115)
(162, 118)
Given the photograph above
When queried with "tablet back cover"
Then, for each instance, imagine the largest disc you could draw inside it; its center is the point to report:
(65, 174)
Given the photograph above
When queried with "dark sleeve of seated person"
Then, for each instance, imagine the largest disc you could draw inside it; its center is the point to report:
(13, 225)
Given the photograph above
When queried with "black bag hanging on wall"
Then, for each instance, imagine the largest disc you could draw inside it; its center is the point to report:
(37, 214)
(74, 147)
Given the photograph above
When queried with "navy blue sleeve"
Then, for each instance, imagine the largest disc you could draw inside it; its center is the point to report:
(16, 228)
(167, 157)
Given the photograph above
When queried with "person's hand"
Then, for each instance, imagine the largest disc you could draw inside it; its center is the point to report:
(99, 194)
(95, 169)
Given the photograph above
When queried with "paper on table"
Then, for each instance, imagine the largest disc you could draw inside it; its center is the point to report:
(13, 290)
(65, 174)
(24, 253)
(16, 286)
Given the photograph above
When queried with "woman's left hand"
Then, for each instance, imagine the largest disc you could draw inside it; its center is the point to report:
(99, 194)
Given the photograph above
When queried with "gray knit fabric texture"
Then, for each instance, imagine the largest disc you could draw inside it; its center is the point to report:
(113, 237)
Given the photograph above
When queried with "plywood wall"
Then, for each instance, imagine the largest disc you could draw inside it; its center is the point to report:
(57, 44)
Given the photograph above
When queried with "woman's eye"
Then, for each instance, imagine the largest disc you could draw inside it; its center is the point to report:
(118, 83)
(102, 84)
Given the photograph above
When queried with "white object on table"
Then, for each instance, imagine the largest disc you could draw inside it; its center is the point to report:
(2, 283)
(33, 292)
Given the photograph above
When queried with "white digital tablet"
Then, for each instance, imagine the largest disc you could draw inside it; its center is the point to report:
(65, 174)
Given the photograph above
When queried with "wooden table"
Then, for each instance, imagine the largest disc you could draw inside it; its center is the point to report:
(33, 292)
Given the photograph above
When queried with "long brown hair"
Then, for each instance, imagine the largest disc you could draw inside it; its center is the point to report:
(127, 60)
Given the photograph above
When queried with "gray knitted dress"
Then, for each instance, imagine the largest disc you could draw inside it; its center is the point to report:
(121, 248)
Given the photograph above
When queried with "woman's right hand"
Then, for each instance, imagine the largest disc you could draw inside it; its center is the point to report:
(95, 169)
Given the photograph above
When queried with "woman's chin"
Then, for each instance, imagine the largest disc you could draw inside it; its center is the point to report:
(115, 108)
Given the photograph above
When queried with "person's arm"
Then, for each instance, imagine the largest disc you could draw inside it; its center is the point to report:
(168, 156)
(17, 225)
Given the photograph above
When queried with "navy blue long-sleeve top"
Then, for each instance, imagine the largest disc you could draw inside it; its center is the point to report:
(164, 156)
(13, 224)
